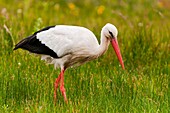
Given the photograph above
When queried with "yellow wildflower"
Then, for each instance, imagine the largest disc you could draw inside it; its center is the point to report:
(100, 9)
(71, 6)
(73, 9)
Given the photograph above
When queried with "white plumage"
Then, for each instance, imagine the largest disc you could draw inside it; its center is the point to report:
(66, 46)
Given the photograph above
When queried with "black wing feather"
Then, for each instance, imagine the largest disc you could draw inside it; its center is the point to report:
(33, 45)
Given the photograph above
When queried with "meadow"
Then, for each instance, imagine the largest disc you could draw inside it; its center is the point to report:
(100, 86)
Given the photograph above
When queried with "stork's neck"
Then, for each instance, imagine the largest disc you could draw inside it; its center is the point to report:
(104, 43)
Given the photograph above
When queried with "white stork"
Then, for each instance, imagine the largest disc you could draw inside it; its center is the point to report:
(66, 46)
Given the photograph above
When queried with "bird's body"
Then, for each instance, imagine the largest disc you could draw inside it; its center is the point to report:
(63, 44)
(66, 46)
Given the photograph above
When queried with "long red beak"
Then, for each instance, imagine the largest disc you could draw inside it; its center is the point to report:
(115, 46)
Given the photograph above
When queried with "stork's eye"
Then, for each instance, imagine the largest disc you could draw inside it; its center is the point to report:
(111, 34)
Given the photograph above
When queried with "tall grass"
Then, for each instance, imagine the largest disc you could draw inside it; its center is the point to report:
(26, 82)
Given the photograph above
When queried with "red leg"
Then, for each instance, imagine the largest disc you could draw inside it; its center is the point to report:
(62, 89)
(56, 86)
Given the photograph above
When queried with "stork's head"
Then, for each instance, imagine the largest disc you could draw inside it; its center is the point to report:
(110, 32)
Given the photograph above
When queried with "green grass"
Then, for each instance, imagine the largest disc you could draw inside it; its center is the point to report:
(26, 82)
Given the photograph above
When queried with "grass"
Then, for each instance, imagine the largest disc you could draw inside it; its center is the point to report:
(26, 82)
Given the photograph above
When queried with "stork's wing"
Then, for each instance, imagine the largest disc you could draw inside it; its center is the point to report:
(58, 41)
